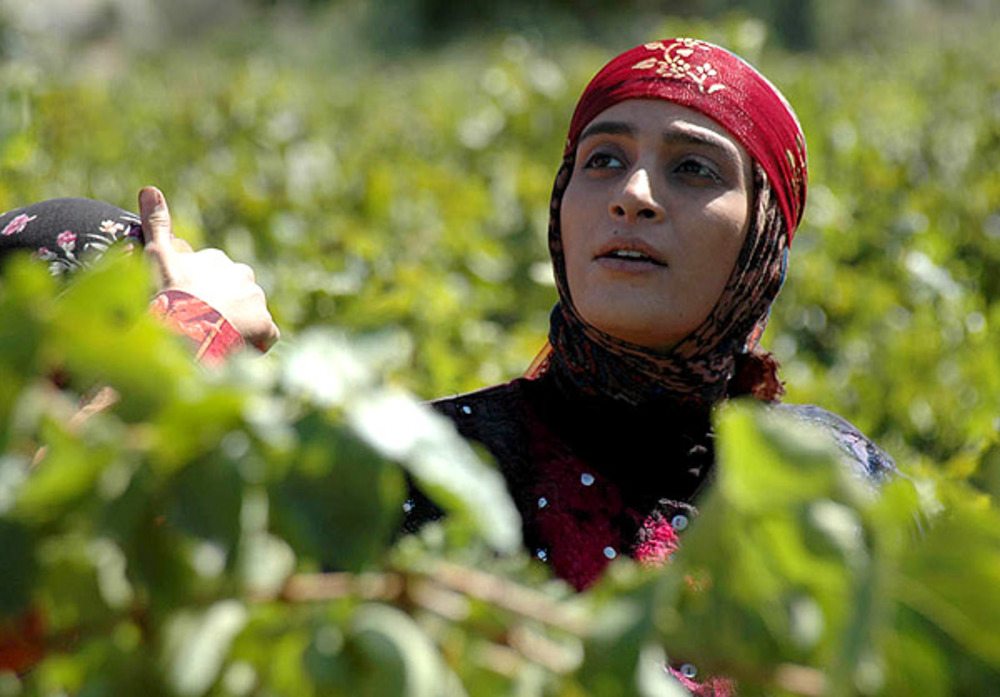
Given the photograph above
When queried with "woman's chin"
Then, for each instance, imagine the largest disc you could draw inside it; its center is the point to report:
(638, 332)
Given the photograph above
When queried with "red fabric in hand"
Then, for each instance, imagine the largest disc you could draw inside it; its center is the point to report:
(214, 339)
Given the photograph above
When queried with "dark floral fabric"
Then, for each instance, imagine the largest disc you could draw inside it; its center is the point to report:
(67, 233)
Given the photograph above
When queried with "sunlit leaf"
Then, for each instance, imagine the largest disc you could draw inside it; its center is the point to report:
(196, 644)
(443, 463)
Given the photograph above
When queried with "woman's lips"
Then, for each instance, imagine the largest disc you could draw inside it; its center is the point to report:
(629, 255)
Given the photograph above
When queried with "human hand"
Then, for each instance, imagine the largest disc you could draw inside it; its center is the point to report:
(209, 274)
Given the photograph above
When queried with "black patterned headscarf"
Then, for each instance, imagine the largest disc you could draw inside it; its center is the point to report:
(67, 233)
(720, 357)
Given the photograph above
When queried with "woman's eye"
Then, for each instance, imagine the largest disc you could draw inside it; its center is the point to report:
(698, 169)
(602, 161)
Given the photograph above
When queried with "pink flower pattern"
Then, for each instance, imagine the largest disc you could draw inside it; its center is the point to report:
(67, 240)
(17, 225)
(112, 229)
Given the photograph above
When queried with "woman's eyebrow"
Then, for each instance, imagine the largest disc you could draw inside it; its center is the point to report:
(706, 140)
(614, 128)
(670, 137)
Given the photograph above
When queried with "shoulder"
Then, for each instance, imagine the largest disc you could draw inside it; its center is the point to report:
(477, 414)
(860, 451)
(504, 420)
(492, 417)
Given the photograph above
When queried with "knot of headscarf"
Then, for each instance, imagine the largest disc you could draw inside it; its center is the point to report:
(696, 372)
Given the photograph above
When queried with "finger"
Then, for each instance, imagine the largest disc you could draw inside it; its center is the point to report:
(155, 218)
(246, 270)
(215, 257)
(269, 339)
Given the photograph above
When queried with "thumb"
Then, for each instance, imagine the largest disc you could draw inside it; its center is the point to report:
(155, 216)
(156, 231)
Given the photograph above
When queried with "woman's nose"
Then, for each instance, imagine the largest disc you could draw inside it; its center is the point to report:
(635, 200)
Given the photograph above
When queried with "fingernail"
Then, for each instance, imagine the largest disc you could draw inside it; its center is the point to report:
(150, 198)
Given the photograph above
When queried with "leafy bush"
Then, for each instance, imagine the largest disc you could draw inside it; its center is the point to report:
(233, 532)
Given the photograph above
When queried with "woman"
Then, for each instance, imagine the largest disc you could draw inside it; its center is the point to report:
(203, 295)
(682, 184)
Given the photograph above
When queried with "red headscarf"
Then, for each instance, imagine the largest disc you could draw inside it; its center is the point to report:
(721, 85)
(721, 356)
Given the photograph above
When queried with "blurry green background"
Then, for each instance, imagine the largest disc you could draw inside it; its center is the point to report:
(386, 166)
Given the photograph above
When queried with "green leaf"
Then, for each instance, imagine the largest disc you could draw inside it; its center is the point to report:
(383, 654)
(205, 501)
(102, 331)
(962, 605)
(651, 679)
(26, 294)
(621, 632)
(66, 476)
(340, 505)
(190, 427)
(444, 464)
(326, 368)
(265, 563)
(778, 556)
(196, 645)
(17, 559)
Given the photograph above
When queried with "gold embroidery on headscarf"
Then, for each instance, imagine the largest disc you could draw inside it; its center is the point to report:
(676, 63)
(796, 161)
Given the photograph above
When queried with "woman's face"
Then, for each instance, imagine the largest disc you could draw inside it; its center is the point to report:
(653, 220)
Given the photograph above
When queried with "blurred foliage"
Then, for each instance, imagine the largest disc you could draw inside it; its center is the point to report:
(400, 194)
(232, 532)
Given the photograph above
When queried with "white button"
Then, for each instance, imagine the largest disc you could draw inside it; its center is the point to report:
(688, 671)
(466, 409)
(542, 554)
(543, 502)
(679, 522)
(610, 552)
(586, 479)
(407, 505)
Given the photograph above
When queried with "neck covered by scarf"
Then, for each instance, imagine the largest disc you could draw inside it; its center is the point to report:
(698, 370)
